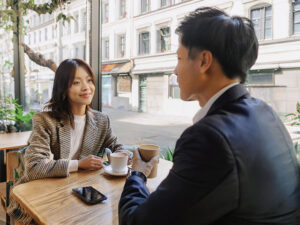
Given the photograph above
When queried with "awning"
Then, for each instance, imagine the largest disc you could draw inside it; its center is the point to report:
(117, 68)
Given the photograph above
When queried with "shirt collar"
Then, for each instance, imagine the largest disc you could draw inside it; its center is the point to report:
(203, 111)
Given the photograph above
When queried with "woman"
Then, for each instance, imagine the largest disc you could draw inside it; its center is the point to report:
(69, 135)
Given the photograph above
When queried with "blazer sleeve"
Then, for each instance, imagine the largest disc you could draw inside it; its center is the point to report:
(39, 162)
(110, 140)
(201, 187)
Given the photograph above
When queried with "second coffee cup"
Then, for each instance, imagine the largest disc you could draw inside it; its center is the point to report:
(147, 152)
(118, 162)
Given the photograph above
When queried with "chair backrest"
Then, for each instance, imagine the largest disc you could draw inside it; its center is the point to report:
(14, 165)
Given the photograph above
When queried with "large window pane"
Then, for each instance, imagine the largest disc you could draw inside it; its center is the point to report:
(53, 41)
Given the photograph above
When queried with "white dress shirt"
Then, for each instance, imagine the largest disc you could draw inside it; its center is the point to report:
(203, 111)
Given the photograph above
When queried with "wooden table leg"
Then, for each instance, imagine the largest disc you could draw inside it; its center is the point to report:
(7, 202)
(2, 167)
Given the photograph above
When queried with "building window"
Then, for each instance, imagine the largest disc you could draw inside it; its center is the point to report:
(144, 43)
(76, 53)
(46, 34)
(163, 39)
(144, 6)
(260, 78)
(83, 21)
(105, 13)
(53, 32)
(40, 36)
(121, 46)
(34, 37)
(262, 20)
(164, 3)
(174, 91)
(76, 24)
(296, 17)
(29, 39)
(122, 8)
(83, 52)
(105, 48)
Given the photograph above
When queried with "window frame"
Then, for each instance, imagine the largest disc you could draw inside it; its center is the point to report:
(293, 16)
(121, 45)
(105, 54)
(167, 3)
(257, 73)
(140, 43)
(159, 39)
(105, 12)
(147, 6)
(122, 9)
(262, 10)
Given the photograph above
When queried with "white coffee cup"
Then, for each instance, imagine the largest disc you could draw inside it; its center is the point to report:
(118, 161)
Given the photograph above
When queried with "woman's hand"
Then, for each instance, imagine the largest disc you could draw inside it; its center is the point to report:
(90, 162)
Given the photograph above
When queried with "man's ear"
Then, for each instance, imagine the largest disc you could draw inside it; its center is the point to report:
(205, 59)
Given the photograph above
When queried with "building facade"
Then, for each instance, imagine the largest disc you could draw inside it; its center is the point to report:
(142, 32)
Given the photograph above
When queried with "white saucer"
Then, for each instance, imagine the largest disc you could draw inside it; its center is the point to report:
(108, 170)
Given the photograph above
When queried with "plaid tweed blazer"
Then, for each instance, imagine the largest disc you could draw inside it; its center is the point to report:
(49, 144)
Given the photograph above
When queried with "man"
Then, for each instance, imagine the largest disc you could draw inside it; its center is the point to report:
(236, 163)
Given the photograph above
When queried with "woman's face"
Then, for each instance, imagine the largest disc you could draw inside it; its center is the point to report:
(82, 89)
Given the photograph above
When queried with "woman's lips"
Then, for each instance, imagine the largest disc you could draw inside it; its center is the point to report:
(85, 95)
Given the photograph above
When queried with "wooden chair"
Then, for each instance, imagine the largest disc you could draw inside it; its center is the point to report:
(14, 170)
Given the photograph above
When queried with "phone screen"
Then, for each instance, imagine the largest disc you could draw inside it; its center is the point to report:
(89, 194)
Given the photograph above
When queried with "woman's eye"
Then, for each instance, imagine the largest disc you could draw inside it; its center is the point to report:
(90, 80)
(76, 82)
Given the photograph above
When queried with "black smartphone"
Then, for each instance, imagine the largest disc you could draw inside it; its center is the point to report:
(89, 195)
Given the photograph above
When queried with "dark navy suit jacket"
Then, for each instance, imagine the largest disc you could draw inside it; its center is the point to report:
(237, 166)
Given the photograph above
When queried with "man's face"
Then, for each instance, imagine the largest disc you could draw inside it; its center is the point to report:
(190, 79)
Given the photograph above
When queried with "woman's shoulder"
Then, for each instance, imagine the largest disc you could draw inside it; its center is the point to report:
(44, 117)
(98, 116)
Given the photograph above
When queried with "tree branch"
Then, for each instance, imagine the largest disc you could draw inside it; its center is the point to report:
(44, 8)
(39, 59)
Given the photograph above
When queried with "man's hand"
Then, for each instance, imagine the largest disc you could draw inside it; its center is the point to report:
(90, 162)
(139, 165)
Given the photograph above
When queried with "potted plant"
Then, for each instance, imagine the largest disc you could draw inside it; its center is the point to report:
(12, 116)
(295, 117)
(294, 120)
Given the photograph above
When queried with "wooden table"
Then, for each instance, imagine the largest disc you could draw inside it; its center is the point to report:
(50, 201)
(14, 140)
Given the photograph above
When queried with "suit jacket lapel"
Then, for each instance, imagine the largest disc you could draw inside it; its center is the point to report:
(230, 95)
(64, 133)
(90, 130)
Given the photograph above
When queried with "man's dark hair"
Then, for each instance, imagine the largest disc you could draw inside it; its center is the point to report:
(231, 40)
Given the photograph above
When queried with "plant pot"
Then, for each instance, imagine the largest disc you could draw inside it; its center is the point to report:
(3, 128)
(11, 129)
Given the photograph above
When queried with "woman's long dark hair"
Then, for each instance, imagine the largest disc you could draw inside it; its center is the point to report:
(59, 105)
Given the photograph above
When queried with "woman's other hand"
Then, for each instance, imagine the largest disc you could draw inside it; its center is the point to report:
(90, 162)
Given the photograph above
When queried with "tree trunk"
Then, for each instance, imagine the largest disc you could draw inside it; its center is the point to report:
(39, 59)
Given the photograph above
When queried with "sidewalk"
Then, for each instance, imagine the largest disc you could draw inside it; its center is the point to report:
(134, 128)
